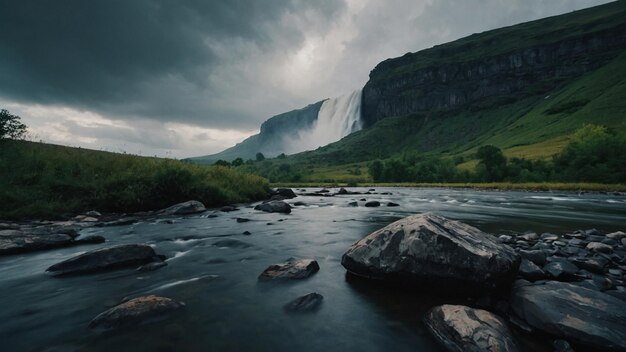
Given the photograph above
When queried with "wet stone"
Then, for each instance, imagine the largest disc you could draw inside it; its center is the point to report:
(599, 247)
(307, 303)
(292, 269)
(137, 311)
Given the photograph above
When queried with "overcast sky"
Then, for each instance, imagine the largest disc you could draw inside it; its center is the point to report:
(188, 78)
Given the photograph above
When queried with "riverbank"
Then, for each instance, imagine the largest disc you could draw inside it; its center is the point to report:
(504, 186)
(45, 181)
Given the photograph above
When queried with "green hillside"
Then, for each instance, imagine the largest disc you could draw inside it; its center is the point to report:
(50, 181)
(534, 123)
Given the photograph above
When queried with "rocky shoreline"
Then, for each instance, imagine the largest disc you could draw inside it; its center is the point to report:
(569, 288)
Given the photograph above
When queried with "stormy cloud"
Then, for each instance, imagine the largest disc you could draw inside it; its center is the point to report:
(154, 69)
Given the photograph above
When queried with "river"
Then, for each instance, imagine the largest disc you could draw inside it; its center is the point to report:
(213, 268)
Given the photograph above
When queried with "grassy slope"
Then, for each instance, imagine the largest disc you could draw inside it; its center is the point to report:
(524, 128)
(503, 40)
(48, 181)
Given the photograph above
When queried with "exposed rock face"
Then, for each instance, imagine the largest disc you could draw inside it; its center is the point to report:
(126, 255)
(190, 207)
(462, 329)
(270, 141)
(429, 249)
(582, 316)
(137, 311)
(416, 83)
(276, 206)
(290, 270)
(307, 303)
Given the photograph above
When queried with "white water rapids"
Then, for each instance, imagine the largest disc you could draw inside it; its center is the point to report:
(337, 118)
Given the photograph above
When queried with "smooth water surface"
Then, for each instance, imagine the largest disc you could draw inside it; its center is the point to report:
(213, 268)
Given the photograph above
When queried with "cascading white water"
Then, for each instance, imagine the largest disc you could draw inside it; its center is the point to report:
(337, 118)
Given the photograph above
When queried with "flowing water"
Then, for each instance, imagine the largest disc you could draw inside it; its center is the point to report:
(213, 268)
(337, 118)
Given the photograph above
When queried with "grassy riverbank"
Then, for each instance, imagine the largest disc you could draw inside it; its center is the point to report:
(49, 181)
(531, 186)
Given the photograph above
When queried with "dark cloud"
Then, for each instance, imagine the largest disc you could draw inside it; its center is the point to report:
(152, 58)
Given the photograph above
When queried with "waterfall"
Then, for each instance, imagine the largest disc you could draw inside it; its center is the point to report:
(337, 118)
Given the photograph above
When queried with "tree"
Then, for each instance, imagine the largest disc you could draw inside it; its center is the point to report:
(222, 163)
(237, 162)
(376, 170)
(260, 156)
(281, 156)
(10, 126)
(493, 161)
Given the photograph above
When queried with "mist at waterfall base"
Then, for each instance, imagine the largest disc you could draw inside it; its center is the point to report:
(337, 118)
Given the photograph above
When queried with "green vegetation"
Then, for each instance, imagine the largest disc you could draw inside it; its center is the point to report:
(10, 126)
(504, 40)
(505, 186)
(49, 181)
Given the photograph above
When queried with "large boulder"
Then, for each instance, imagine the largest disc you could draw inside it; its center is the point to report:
(286, 193)
(292, 269)
(127, 255)
(137, 311)
(276, 206)
(582, 316)
(190, 207)
(462, 329)
(435, 252)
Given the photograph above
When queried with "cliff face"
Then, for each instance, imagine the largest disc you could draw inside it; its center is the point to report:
(270, 140)
(289, 122)
(441, 78)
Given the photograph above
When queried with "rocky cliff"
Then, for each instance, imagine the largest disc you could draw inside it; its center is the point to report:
(528, 59)
(270, 141)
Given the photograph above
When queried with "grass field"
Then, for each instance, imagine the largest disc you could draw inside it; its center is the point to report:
(50, 181)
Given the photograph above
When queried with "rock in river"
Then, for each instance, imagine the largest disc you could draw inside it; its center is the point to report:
(373, 203)
(306, 303)
(15, 241)
(106, 259)
(190, 207)
(435, 252)
(461, 328)
(276, 206)
(584, 317)
(137, 311)
(290, 270)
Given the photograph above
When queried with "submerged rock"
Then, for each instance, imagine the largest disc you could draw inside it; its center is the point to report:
(137, 311)
(461, 328)
(189, 207)
(582, 316)
(274, 207)
(121, 256)
(392, 204)
(16, 241)
(290, 270)
(372, 203)
(307, 303)
(152, 266)
(434, 251)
